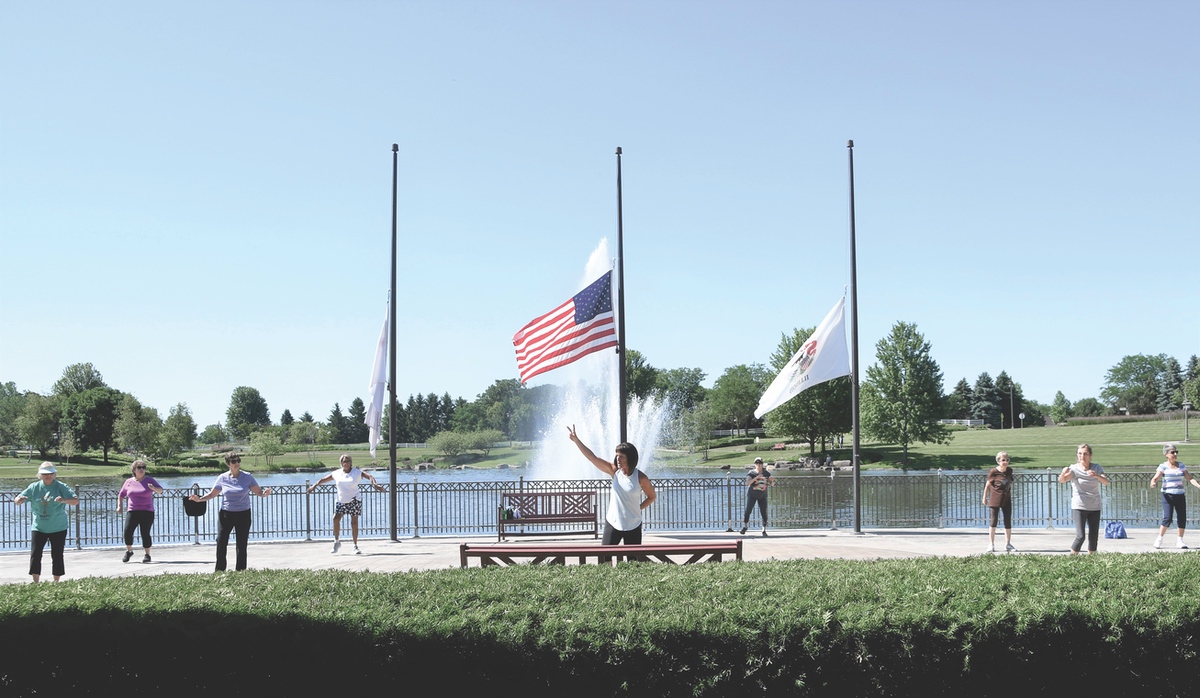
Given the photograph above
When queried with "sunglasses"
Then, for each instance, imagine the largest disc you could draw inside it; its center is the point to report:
(139, 467)
(235, 461)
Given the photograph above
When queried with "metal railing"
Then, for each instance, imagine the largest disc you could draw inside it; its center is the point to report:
(918, 500)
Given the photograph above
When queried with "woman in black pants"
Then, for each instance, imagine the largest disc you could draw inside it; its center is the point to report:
(756, 493)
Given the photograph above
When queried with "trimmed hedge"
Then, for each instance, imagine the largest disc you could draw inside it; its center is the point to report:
(994, 625)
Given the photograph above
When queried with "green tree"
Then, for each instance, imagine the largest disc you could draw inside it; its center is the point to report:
(286, 419)
(902, 400)
(265, 444)
(483, 440)
(1087, 407)
(640, 377)
(816, 414)
(681, 387)
(451, 444)
(736, 393)
(1060, 410)
(696, 428)
(12, 406)
(178, 433)
(67, 446)
(1133, 383)
(1190, 391)
(214, 434)
(91, 416)
(308, 434)
(247, 411)
(77, 378)
(38, 424)
(137, 426)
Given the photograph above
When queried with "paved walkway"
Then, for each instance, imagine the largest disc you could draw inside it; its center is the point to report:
(442, 552)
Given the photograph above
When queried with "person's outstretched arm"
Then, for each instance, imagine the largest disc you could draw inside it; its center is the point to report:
(604, 466)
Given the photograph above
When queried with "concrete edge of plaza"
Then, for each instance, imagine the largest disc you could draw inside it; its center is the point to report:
(441, 552)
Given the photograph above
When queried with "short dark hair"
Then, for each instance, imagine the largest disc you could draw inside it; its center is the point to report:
(232, 456)
(630, 452)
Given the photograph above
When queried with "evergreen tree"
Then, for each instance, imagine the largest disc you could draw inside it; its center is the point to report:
(1170, 386)
(286, 420)
(985, 401)
(338, 426)
(356, 426)
(958, 402)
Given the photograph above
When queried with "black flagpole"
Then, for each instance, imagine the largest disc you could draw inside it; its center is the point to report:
(622, 390)
(854, 351)
(392, 356)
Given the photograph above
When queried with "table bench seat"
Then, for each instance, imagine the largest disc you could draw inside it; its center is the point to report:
(490, 554)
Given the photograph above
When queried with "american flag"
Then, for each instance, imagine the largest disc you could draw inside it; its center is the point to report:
(581, 326)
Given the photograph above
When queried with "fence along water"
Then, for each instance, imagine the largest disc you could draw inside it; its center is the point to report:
(460, 508)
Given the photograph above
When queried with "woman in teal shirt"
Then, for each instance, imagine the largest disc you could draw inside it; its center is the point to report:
(49, 499)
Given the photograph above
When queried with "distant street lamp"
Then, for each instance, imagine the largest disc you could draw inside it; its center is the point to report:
(1187, 406)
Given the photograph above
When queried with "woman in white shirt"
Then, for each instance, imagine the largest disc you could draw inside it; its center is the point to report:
(632, 491)
(347, 501)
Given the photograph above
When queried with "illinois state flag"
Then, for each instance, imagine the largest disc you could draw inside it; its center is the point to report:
(822, 357)
(581, 326)
(374, 416)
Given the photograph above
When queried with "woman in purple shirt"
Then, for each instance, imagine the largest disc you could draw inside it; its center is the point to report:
(235, 488)
(140, 490)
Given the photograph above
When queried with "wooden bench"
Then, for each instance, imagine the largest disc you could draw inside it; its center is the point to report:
(546, 513)
(500, 554)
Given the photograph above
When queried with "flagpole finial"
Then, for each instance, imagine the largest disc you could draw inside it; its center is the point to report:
(395, 147)
(618, 150)
(849, 144)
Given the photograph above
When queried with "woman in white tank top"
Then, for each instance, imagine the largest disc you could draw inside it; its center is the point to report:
(632, 491)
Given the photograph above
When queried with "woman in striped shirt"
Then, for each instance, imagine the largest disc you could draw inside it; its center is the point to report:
(1173, 474)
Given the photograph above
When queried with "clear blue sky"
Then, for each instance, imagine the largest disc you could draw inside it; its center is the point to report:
(197, 195)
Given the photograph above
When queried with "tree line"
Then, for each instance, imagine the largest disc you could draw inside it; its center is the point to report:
(83, 413)
(902, 401)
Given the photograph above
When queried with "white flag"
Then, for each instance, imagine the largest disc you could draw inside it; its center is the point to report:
(822, 357)
(374, 416)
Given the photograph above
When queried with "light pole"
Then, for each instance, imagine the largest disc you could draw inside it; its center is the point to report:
(1187, 407)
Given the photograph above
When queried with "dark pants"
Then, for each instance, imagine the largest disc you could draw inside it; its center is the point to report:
(758, 497)
(142, 520)
(230, 521)
(1175, 504)
(614, 537)
(1092, 519)
(58, 541)
(1006, 509)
